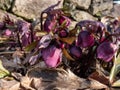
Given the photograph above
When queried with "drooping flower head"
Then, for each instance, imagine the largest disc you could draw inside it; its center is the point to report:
(24, 31)
(95, 27)
(54, 19)
(50, 23)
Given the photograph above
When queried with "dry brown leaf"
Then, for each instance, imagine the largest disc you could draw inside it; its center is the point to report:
(37, 83)
(72, 32)
(68, 40)
(97, 85)
(8, 85)
(50, 79)
(15, 87)
(65, 52)
(25, 83)
(100, 77)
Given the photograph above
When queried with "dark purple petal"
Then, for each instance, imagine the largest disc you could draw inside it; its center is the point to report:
(75, 52)
(49, 25)
(84, 23)
(85, 39)
(106, 51)
(25, 39)
(52, 56)
(23, 26)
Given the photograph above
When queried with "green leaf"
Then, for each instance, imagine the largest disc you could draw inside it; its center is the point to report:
(63, 24)
(31, 46)
(115, 69)
(116, 84)
(3, 71)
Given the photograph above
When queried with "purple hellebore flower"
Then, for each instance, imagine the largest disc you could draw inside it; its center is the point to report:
(106, 51)
(85, 39)
(64, 19)
(95, 27)
(75, 51)
(52, 56)
(24, 29)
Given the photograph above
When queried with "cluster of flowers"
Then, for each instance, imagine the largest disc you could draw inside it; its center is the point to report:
(59, 41)
(103, 39)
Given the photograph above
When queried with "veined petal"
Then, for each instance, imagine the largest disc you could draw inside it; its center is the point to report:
(106, 51)
(52, 56)
(85, 39)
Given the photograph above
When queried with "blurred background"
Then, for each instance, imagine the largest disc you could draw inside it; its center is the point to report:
(78, 9)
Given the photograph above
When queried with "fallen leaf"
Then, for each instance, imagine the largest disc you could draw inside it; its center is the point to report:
(116, 84)
(25, 83)
(52, 79)
(100, 77)
(15, 87)
(97, 85)
(72, 32)
(9, 85)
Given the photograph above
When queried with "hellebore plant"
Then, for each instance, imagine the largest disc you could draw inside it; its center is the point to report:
(80, 49)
